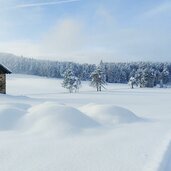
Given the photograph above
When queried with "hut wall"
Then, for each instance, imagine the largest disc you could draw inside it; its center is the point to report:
(2, 83)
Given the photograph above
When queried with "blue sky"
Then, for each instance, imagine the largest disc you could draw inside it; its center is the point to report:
(87, 30)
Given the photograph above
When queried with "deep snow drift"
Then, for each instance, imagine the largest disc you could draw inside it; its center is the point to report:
(109, 114)
(55, 118)
(43, 127)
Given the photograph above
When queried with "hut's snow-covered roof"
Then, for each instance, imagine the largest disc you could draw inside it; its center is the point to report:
(4, 70)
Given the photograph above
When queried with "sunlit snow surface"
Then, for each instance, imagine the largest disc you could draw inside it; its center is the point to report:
(43, 127)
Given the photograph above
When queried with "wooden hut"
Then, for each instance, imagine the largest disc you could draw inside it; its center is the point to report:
(3, 72)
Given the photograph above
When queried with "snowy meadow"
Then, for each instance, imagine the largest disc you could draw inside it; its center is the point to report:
(43, 127)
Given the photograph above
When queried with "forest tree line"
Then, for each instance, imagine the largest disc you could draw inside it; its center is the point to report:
(147, 74)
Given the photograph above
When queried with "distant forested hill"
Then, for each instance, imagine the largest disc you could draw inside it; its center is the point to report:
(115, 72)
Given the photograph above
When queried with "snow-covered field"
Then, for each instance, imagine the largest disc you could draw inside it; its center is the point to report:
(44, 128)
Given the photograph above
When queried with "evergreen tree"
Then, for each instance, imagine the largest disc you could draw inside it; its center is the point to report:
(77, 84)
(103, 70)
(132, 82)
(138, 77)
(164, 77)
(97, 79)
(70, 82)
(148, 78)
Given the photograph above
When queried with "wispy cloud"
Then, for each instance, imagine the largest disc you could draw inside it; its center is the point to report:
(162, 8)
(42, 4)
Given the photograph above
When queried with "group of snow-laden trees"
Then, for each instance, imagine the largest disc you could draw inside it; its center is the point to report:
(145, 76)
(116, 72)
(149, 77)
(73, 83)
(141, 74)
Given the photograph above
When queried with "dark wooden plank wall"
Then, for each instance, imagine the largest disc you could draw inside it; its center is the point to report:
(2, 83)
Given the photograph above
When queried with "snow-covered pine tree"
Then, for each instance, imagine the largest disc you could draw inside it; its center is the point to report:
(102, 68)
(138, 77)
(164, 77)
(97, 79)
(70, 82)
(148, 78)
(132, 82)
(77, 84)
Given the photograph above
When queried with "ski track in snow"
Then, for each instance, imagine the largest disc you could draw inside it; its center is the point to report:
(165, 164)
(161, 159)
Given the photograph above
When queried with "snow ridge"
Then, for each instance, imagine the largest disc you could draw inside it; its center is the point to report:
(162, 157)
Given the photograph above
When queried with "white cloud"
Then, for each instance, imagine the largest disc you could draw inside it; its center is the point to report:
(81, 40)
(28, 5)
(68, 40)
(104, 14)
(157, 10)
(66, 36)
(65, 40)
(21, 47)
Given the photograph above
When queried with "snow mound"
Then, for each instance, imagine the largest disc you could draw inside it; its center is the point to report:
(55, 118)
(10, 114)
(109, 114)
